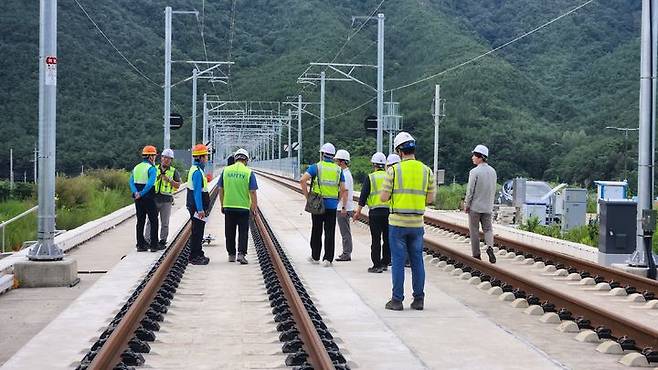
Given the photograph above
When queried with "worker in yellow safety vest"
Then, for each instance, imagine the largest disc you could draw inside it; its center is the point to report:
(237, 193)
(167, 182)
(198, 203)
(409, 186)
(142, 180)
(373, 184)
(328, 181)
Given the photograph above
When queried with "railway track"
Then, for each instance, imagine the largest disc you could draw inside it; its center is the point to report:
(305, 337)
(627, 334)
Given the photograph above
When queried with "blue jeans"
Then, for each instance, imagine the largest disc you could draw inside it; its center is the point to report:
(407, 241)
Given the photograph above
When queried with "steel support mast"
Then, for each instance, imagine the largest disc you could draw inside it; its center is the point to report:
(380, 82)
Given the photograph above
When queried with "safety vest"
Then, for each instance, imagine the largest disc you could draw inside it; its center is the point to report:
(376, 185)
(163, 187)
(190, 184)
(327, 181)
(410, 183)
(235, 179)
(141, 176)
(205, 196)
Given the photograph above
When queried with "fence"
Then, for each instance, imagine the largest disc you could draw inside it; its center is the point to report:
(4, 224)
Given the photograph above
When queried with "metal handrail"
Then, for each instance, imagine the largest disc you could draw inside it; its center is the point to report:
(4, 224)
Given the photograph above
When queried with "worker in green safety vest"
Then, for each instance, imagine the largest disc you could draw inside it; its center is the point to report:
(167, 182)
(237, 193)
(198, 203)
(142, 180)
(409, 186)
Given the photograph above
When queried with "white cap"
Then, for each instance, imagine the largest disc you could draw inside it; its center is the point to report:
(241, 153)
(342, 154)
(328, 148)
(481, 149)
(393, 159)
(167, 153)
(401, 138)
(378, 158)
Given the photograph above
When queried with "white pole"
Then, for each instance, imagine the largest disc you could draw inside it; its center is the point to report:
(299, 135)
(289, 133)
(167, 77)
(36, 160)
(380, 82)
(322, 92)
(194, 78)
(11, 169)
(45, 249)
(205, 119)
(437, 117)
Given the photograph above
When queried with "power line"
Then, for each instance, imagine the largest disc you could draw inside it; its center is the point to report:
(115, 48)
(351, 110)
(492, 50)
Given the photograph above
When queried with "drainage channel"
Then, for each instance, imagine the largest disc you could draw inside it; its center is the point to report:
(305, 337)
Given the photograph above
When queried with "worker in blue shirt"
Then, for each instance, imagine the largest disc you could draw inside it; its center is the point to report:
(141, 183)
(198, 203)
(327, 180)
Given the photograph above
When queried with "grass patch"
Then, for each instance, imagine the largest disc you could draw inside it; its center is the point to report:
(586, 234)
(24, 229)
(450, 196)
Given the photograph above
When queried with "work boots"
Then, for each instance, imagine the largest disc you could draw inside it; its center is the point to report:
(394, 305)
(242, 259)
(418, 304)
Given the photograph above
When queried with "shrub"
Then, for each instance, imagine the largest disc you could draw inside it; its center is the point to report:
(24, 229)
(111, 178)
(76, 191)
(450, 196)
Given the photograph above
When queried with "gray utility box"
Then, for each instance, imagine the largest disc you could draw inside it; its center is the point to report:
(618, 226)
(574, 208)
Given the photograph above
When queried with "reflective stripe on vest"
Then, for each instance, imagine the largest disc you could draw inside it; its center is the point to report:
(409, 187)
(141, 173)
(190, 183)
(328, 179)
(163, 187)
(376, 185)
(235, 179)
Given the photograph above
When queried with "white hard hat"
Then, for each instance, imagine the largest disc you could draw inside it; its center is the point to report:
(481, 149)
(167, 153)
(378, 158)
(241, 153)
(342, 154)
(392, 159)
(401, 138)
(328, 148)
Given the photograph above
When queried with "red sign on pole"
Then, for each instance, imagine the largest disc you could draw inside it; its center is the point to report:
(51, 60)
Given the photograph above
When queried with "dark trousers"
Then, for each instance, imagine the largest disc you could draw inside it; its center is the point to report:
(145, 207)
(379, 254)
(196, 239)
(239, 220)
(326, 222)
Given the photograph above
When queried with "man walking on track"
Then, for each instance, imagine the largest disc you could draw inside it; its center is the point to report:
(198, 203)
(377, 214)
(479, 201)
(166, 183)
(141, 183)
(327, 180)
(409, 186)
(342, 159)
(237, 193)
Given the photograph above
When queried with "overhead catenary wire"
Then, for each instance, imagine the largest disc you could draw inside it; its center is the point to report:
(474, 59)
(137, 70)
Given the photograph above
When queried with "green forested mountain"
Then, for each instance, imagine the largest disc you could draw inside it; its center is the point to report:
(541, 104)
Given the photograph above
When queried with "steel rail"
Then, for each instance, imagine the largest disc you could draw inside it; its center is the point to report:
(318, 355)
(110, 353)
(601, 273)
(643, 335)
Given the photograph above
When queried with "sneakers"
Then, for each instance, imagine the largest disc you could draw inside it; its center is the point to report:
(375, 270)
(231, 257)
(326, 263)
(242, 259)
(313, 261)
(141, 248)
(199, 260)
(343, 257)
(394, 305)
(418, 304)
(490, 253)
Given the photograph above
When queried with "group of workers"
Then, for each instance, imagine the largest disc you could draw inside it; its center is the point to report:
(153, 189)
(396, 193)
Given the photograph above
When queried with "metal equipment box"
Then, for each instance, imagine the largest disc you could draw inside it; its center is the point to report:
(618, 227)
(574, 208)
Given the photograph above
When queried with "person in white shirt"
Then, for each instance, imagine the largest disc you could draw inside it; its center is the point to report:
(342, 159)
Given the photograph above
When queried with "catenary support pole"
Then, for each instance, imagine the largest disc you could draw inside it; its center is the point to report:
(194, 81)
(647, 119)
(167, 78)
(380, 82)
(299, 135)
(437, 117)
(322, 96)
(45, 248)
(11, 169)
(204, 136)
(289, 133)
